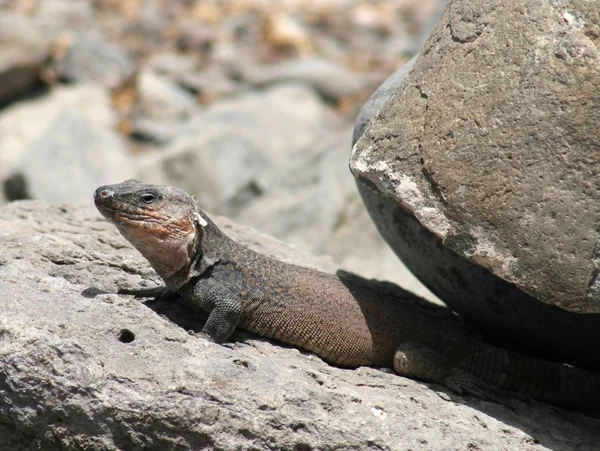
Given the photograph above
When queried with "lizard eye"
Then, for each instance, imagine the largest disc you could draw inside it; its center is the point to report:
(148, 197)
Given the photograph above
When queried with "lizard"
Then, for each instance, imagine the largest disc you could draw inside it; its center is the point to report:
(347, 321)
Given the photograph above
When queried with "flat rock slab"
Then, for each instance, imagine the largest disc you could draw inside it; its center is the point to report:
(84, 370)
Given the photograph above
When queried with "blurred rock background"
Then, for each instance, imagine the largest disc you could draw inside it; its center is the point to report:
(248, 104)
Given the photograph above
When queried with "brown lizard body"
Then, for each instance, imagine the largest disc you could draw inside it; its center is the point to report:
(343, 319)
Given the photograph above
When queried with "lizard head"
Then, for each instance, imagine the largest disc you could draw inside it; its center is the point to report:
(161, 222)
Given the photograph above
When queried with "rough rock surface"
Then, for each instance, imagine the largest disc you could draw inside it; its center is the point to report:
(108, 372)
(491, 143)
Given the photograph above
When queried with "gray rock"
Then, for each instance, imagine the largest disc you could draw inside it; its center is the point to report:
(24, 123)
(221, 167)
(90, 58)
(161, 98)
(171, 64)
(210, 85)
(284, 119)
(82, 156)
(330, 79)
(231, 149)
(492, 145)
(24, 47)
(108, 372)
(305, 201)
(158, 132)
(65, 13)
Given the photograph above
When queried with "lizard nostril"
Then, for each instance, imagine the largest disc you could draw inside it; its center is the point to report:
(103, 193)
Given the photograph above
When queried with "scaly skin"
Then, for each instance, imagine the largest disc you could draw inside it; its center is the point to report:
(344, 319)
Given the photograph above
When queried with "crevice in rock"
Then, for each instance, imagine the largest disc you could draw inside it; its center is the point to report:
(594, 284)
(434, 186)
(127, 269)
(425, 97)
(470, 38)
(594, 288)
(111, 243)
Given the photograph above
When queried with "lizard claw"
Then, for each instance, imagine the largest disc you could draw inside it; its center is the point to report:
(162, 293)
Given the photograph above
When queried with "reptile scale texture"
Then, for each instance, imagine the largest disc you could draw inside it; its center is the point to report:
(346, 320)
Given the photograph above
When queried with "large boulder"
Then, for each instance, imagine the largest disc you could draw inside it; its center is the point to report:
(482, 171)
(84, 370)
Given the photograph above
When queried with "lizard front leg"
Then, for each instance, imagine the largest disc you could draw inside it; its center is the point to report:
(224, 307)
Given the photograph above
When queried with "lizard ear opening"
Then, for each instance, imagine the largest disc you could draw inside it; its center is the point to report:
(197, 218)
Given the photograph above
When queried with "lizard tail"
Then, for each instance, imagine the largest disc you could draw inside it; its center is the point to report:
(467, 365)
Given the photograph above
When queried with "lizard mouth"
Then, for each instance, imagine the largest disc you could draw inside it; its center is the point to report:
(125, 213)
